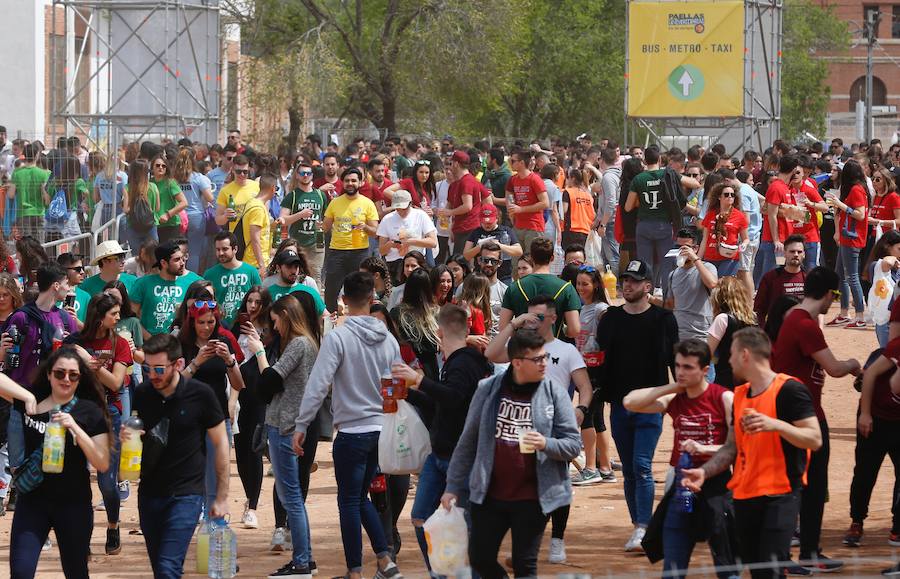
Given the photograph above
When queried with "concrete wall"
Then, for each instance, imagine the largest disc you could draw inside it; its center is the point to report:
(23, 69)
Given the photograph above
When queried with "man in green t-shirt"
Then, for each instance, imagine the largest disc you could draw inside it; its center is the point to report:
(75, 275)
(156, 297)
(111, 261)
(303, 209)
(542, 282)
(231, 278)
(288, 264)
(28, 186)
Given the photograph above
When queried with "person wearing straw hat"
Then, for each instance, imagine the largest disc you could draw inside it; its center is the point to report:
(110, 259)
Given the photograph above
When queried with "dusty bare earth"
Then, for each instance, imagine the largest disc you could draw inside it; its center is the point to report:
(598, 527)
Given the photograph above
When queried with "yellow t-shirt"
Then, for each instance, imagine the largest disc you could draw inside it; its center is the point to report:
(255, 213)
(241, 196)
(346, 213)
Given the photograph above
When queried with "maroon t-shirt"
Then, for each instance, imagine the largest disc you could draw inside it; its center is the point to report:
(514, 477)
(702, 419)
(338, 186)
(466, 185)
(772, 286)
(886, 404)
(895, 312)
(798, 339)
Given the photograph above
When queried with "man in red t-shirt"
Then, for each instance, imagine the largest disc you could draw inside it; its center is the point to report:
(785, 280)
(701, 416)
(464, 199)
(330, 184)
(800, 351)
(808, 196)
(375, 185)
(776, 227)
(526, 199)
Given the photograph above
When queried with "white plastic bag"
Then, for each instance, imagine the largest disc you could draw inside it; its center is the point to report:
(448, 540)
(878, 308)
(404, 443)
(593, 249)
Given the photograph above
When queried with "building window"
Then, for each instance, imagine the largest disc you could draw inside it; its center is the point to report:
(895, 21)
(858, 92)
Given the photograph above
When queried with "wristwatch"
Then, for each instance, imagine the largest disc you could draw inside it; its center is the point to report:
(233, 362)
(583, 408)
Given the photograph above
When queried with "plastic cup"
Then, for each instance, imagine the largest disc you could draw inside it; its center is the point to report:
(524, 447)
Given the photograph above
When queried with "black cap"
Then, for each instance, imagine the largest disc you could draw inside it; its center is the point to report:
(287, 257)
(638, 270)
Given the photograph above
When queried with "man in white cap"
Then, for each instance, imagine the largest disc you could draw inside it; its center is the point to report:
(402, 229)
(110, 259)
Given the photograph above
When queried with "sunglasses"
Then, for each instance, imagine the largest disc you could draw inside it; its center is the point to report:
(230, 157)
(70, 375)
(425, 162)
(159, 166)
(242, 171)
(587, 269)
(542, 359)
(728, 194)
(200, 304)
(694, 175)
(79, 269)
(305, 173)
(490, 261)
(158, 370)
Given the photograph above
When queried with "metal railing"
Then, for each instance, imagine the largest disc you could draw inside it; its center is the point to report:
(107, 231)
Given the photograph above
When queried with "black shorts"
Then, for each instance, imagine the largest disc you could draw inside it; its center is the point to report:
(594, 418)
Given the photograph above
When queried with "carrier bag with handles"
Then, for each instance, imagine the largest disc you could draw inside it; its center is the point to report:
(593, 249)
(57, 213)
(878, 308)
(448, 540)
(404, 443)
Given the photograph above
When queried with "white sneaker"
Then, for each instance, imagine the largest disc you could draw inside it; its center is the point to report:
(250, 520)
(634, 543)
(47, 545)
(277, 543)
(557, 551)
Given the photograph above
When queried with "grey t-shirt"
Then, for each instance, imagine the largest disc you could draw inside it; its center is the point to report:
(693, 310)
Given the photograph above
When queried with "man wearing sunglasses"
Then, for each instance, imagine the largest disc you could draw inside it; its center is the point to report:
(238, 193)
(172, 488)
(492, 231)
(220, 174)
(801, 351)
(75, 274)
(110, 259)
(488, 262)
(303, 210)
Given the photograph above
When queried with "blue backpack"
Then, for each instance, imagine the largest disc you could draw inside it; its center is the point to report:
(57, 213)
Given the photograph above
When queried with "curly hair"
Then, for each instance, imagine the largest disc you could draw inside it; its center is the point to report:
(731, 297)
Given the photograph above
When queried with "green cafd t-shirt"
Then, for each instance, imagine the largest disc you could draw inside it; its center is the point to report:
(276, 291)
(29, 182)
(159, 299)
(95, 284)
(649, 188)
(231, 286)
(524, 290)
(168, 191)
(82, 299)
(304, 230)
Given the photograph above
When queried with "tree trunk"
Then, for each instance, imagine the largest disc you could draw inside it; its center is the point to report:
(295, 120)
(389, 113)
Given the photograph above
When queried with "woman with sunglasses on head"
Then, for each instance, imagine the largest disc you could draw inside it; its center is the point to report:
(210, 358)
(282, 385)
(420, 186)
(724, 230)
(108, 356)
(885, 213)
(171, 200)
(597, 463)
(59, 501)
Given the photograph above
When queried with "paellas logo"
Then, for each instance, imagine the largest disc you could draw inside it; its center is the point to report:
(685, 21)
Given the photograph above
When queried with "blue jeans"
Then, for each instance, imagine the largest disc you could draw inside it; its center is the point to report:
(610, 248)
(15, 438)
(726, 267)
(198, 242)
(848, 271)
(355, 461)
(812, 255)
(287, 483)
(211, 468)
(653, 239)
(636, 436)
(108, 481)
(765, 261)
(432, 482)
(135, 239)
(882, 331)
(168, 524)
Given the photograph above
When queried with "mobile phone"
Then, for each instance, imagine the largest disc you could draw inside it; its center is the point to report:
(69, 302)
(243, 319)
(103, 356)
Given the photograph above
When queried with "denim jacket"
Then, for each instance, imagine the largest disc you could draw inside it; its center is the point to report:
(553, 416)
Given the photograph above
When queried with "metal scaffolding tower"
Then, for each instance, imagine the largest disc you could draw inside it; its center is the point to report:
(154, 70)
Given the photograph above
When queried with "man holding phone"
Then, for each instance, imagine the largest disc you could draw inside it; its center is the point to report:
(76, 301)
(404, 228)
(231, 278)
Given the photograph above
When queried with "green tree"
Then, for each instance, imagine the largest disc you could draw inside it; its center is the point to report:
(809, 28)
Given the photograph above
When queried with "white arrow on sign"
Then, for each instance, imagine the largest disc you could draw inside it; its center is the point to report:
(686, 81)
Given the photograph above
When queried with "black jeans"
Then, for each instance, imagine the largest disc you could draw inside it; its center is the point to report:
(870, 452)
(764, 526)
(34, 517)
(341, 263)
(812, 500)
(249, 463)
(397, 492)
(310, 444)
(491, 521)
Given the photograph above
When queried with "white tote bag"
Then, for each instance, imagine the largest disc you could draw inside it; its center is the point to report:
(404, 443)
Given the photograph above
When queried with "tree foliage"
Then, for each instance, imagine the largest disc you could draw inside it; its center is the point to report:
(809, 28)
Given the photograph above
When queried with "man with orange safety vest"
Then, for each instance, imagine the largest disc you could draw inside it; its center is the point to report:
(769, 445)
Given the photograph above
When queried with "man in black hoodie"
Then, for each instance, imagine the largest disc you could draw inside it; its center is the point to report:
(464, 367)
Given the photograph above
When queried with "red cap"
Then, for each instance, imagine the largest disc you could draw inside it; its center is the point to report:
(489, 211)
(460, 157)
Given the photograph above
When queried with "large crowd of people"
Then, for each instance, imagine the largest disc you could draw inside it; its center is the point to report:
(251, 306)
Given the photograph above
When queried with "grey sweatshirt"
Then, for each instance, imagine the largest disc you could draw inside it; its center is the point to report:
(294, 367)
(352, 359)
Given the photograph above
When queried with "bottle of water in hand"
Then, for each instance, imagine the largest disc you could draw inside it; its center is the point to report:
(222, 550)
(683, 498)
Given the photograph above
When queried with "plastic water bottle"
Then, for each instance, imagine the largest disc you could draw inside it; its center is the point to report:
(130, 461)
(13, 356)
(54, 445)
(222, 550)
(684, 498)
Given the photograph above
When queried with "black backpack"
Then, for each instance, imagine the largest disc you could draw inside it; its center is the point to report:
(141, 218)
(673, 196)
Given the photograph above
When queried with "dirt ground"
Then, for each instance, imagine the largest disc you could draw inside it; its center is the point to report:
(598, 527)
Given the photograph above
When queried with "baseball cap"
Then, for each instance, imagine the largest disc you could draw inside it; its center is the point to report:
(460, 157)
(638, 270)
(489, 211)
(401, 199)
(287, 257)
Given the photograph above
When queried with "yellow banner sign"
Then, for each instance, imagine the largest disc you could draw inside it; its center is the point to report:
(686, 59)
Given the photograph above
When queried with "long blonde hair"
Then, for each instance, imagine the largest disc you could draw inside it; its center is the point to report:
(731, 297)
(184, 165)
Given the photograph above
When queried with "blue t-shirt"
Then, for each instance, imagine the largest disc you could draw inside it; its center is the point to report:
(217, 177)
(193, 192)
(111, 190)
